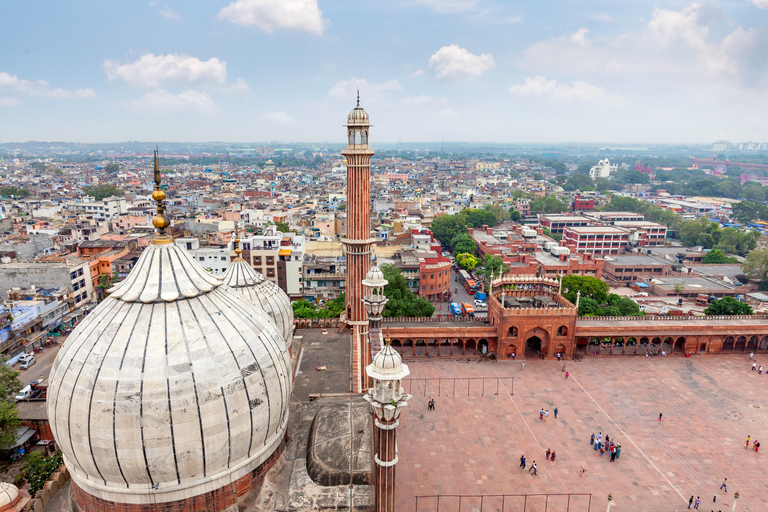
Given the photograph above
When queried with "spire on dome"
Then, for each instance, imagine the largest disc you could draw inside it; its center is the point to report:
(160, 221)
(358, 96)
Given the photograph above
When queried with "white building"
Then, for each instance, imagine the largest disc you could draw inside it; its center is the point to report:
(213, 259)
(603, 169)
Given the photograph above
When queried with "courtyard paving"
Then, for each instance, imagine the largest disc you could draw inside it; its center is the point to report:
(471, 445)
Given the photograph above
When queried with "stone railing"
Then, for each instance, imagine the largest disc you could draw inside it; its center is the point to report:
(49, 490)
(680, 318)
(538, 311)
(435, 319)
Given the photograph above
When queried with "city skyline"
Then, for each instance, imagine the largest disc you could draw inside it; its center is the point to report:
(453, 70)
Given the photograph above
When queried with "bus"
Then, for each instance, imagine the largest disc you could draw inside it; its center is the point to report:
(467, 309)
(467, 282)
(455, 309)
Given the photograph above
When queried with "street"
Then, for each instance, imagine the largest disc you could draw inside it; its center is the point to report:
(42, 366)
(458, 296)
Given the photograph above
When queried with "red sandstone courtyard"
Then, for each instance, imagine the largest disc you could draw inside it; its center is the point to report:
(472, 445)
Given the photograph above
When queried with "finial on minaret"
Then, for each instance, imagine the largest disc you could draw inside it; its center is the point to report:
(387, 340)
(160, 221)
(236, 242)
(358, 96)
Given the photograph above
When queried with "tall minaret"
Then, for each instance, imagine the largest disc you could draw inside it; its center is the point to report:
(358, 242)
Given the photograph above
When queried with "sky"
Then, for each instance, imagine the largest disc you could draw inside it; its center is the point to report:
(612, 71)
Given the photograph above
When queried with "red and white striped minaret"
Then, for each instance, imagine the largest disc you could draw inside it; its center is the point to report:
(358, 243)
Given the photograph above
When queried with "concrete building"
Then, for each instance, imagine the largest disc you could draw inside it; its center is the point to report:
(603, 169)
(106, 209)
(635, 267)
(74, 275)
(644, 233)
(557, 223)
(596, 239)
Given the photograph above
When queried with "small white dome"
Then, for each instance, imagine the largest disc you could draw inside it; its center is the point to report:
(374, 278)
(241, 277)
(9, 494)
(358, 116)
(387, 365)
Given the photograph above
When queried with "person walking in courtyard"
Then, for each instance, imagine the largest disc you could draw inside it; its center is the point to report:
(748, 442)
(697, 503)
(751, 355)
(567, 374)
(533, 468)
(592, 440)
(725, 485)
(760, 370)
(522, 461)
(553, 456)
(690, 501)
(613, 453)
(660, 416)
(754, 366)
(618, 451)
(546, 414)
(757, 446)
(555, 412)
(541, 414)
(600, 436)
(601, 451)
(597, 446)
(548, 452)
(523, 365)
(581, 473)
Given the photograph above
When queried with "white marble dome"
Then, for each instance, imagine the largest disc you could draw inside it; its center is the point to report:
(172, 387)
(254, 286)
(9, 495)
(387, 365)
(358, 117)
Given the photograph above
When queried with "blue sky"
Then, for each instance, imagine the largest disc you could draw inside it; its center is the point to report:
(428, 70)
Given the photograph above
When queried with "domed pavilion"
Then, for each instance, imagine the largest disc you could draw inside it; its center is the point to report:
(173, 393)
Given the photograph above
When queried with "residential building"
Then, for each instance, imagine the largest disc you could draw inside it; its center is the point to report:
(596, 239)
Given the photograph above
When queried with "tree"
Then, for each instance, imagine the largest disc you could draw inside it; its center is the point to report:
(446, 228)
(105, 283)
(466, 261)
(589, 286)
(579, 182)
(716, 256)
(402, 301)
(342, 207)
(537, 176)
(679, 288)
(111, 168)
(550, 234)
(756, 265)
(728, 306)
(747, 211)
(464, 243)
(9, 416)
(100, 192)
(283, 227)
(602, 184)
(479, 218)
(14, 191)
(548, 204)
(494, 266)
(40, 468)
(514, 215)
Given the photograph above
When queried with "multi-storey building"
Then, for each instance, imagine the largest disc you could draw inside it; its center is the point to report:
(72, 273)
(645, 233)
(557, 223)
(596, 239)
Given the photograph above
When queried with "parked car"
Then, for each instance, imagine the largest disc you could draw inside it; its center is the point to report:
(27, 361)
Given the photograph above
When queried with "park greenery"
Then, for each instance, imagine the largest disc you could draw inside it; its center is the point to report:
(493, 266)
(548, 204)
(112, 168)
(14, 191)
(728, 306)
(756, 267)
(331, 309)
(39, 469)
(710, 235)
(451, 230)
(100, 192)
(595, 299)
(9, 416)
(748, 211)
(402, 301)
(718, 257)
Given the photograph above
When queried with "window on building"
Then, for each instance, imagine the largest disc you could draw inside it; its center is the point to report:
(80, 272)
(201, 258)
(423, 287)
(257, 260)
(189, 246)
(270, 260)
(223, 258)
(73, 275)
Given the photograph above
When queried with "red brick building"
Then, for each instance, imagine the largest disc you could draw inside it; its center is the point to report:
(596, 239)
(435, 279)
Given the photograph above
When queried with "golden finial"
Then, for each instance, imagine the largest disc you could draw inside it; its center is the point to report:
(387, 341)
(160, 221)
(238, 251)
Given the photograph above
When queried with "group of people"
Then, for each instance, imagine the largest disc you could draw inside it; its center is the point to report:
(431, 404)
(550, 455)
(614, 449)
(663, 353)
(755, 445)
(543, 415)
(533, 467)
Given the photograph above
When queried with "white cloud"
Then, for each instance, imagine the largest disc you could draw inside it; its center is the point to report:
(279, 117)
(420, 99)
(667, 26)
(448, 5)
(762, 4)
(167, 12)
(417, 73)
(580, 37)
(40, 88)
(347, 89)
(540, 87)
(603, 16)
(240, 86)
(10, 101)
(172, 69)
(269, 15)
(449, 113)
(161, 101)
(455, 62)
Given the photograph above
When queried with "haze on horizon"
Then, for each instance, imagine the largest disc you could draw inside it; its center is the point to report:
(427, 70)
